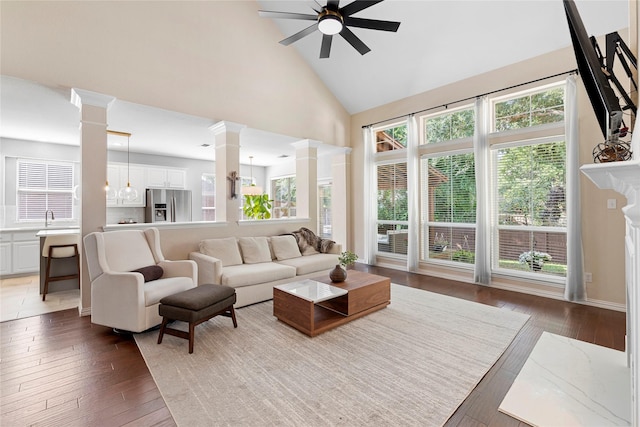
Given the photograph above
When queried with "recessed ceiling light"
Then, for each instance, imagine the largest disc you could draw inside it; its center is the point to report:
(283, 156)
(205, 145)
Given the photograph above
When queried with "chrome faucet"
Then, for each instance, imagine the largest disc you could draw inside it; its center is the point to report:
(46, 216)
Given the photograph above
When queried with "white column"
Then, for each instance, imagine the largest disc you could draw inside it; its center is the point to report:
(307, 179)
(624, 177)
(93, 175)
(227, 137)
(340, 196)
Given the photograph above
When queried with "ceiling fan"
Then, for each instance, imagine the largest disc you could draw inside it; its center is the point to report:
(333, 19)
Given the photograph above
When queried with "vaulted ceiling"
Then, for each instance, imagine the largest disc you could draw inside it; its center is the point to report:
(438, 42)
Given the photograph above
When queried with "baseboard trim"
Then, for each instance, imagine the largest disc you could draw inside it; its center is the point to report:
(560, 297)
(516, 288)
(84, 311)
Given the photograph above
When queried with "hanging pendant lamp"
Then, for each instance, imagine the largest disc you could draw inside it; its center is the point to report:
(251, 190)
(127, 193)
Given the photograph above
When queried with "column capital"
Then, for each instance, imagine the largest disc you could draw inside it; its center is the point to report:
(306, 143)
(225, 126)
(80, 97)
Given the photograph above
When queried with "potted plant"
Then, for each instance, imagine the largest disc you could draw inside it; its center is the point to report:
(440, 243)
(534, 259)
(345, 259)
(257, 206)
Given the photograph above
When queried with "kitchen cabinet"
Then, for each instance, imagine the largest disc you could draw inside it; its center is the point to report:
(118, 174)
(19, 252)
(5, 258)
(158, 177)
(26, 257)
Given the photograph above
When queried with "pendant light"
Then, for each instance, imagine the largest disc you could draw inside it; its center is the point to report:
(127, 193)
(110, 192)
(251, 190)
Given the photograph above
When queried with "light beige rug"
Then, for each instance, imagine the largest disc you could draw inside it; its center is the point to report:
(412, 363)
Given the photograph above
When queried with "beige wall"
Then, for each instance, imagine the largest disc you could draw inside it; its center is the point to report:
(603, 229)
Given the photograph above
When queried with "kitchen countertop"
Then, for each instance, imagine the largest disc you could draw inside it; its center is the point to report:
(56, 232)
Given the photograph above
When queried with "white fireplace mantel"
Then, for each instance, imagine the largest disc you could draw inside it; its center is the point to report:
(624, 178)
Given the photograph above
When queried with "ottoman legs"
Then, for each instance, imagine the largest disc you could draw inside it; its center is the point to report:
(228, 312)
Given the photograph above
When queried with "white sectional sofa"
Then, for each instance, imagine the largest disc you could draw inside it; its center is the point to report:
(254, 265)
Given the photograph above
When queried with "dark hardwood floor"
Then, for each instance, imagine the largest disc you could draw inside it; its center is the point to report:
(60, 370)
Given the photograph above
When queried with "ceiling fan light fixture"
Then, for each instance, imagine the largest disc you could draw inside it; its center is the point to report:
(330, 22)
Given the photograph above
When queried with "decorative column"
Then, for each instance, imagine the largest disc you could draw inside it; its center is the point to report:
(340, 196)
(307, 179)
(227, 137)
(93, 175)
(624, 177)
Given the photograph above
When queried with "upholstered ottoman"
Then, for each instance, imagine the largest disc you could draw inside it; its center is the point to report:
(195, 306)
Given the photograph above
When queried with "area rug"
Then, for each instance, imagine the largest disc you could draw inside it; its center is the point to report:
(412, 363)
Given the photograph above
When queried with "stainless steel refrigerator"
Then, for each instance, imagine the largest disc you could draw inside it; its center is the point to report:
(164, 205)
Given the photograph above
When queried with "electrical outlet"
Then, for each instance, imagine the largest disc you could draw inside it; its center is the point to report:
(611, 203)
(588, 277)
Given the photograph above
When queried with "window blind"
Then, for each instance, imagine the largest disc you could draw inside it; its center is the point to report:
(44, 185)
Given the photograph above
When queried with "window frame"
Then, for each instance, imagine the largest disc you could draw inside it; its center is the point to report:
(72, 190)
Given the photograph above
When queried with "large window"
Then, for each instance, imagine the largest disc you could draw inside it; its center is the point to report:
(42, 186)
(283, 192)
(208, 197)
(529, 178)
(449, 195)
(448, 187)
(522, 184)
(530, 208)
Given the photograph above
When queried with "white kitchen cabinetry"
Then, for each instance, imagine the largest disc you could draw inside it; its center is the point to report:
(26, 257)
(5, 258)
(118, 174)
(166, 177)
(19, 252)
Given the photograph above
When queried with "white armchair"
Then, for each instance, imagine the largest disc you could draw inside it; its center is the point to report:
(120, 297)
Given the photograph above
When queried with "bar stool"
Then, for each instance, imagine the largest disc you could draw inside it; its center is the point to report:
(62, 246)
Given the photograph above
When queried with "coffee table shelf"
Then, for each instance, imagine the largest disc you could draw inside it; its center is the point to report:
(362, 293)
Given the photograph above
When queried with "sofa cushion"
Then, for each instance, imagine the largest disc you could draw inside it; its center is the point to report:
(251, 274)
(226, 250)
(285, 247)
(151, 272)
(254, 249)
(311, 263)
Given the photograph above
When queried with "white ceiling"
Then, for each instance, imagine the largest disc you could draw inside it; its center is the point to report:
(438, 42)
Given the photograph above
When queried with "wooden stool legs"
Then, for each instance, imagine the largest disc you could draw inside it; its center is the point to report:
(228, 312)
(48, 278)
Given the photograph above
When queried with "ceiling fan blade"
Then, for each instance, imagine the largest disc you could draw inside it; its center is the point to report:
(333, 4)
(325, 48)
(286, 15)
(354, 41)
(300, 34)
(357, 6)
(371, 24)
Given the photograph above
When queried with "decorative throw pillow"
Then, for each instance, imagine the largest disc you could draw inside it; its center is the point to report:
(149, 273)
(285, 247)
(226, 250)
(254, 249)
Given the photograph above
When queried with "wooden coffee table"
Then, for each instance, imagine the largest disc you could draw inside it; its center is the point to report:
(309, 311)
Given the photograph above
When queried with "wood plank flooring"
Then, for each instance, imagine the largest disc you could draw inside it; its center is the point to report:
(58, 369)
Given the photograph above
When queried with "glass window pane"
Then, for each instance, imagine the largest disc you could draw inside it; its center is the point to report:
(392, 192)
(530, 110)
(449, 126)
(394, 138)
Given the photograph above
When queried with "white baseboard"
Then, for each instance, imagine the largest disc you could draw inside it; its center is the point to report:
(514, 288)
(84, 311)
